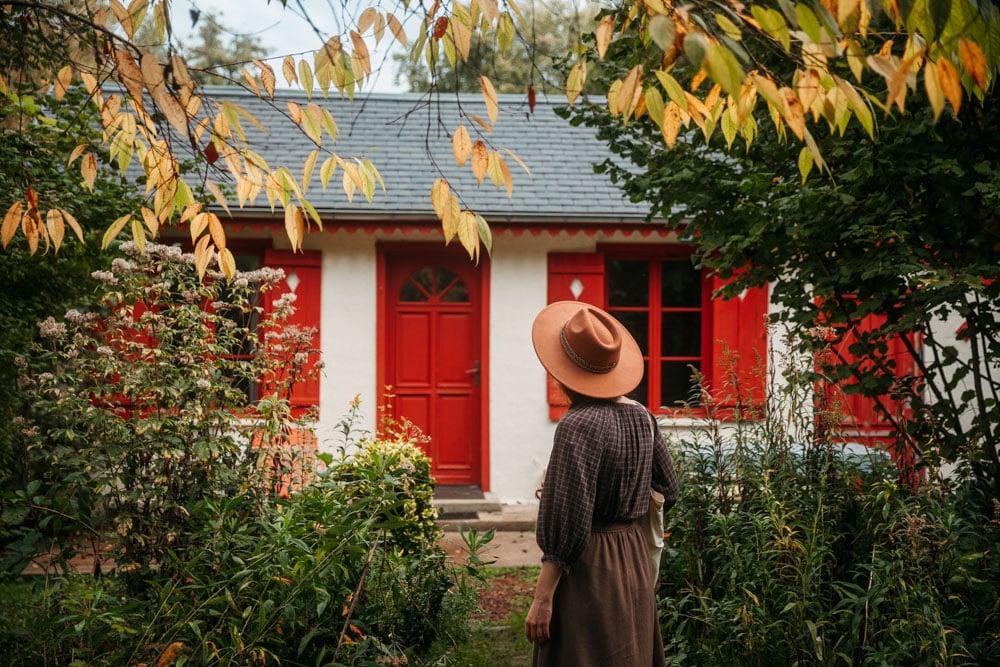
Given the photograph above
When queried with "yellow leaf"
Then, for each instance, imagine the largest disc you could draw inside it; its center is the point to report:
(180, 70)
(490, 96)
(151, 221)
(518, 160)
(267, 78)
(73, 224)
(227, 263)
(220, 198)
(794, 114)
(671, 123)
(461, 35)
(493, 169)
(295, 112)
(251, 81)
(11, 221)
(805, 163)
(461, 145)
(77, 152)
(294, 225)
(397, 29)
(326, 171)
(190, 211)
(202, 256)
(468, 233)
(139, 234)
(808, 86)
(508, 179)
(973, 61)
(663, 32)
(198, 224)
(112, 232)
(480, 160)
(574, 82)
(485, 235)
(306, 78)
(57, 229)
(440, 195)
(481, 123)
(605, 31)
(307, 169)
(288, 69)
(88, 170)
(451, 220)
(935, 94)
(627, 92)
(350, 183)
(951, 83)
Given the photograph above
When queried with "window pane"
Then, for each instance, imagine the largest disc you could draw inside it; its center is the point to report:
(628, 282)
(676, 384)
(410, 293)
(457, 293)
(681, 285)
(638, 326)
(681, 334)
(641, 392)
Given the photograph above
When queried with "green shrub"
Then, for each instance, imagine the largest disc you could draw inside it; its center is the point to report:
(785, 550)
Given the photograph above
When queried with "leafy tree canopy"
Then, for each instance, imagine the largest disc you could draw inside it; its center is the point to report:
(906, 229)
(836, 63)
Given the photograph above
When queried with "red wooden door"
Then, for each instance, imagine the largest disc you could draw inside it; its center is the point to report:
(432, 355)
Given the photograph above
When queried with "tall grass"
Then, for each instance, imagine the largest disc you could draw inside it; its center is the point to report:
(788, 549)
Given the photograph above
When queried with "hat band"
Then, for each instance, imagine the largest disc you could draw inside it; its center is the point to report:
(580, 361)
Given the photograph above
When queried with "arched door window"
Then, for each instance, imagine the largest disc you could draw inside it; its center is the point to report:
(433, 285)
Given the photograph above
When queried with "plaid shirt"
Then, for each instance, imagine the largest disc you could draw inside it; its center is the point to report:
(604, 461)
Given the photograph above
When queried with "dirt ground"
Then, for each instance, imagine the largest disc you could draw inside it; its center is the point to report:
(506, 593)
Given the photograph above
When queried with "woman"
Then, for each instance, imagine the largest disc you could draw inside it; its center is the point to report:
(594, 602)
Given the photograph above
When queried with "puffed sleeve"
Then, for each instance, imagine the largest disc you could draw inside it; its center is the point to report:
(566, 507)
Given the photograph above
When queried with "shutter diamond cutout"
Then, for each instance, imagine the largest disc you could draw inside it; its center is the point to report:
(576, 287)
(293, 281)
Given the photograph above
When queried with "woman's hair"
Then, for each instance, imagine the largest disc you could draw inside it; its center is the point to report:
(576, 397)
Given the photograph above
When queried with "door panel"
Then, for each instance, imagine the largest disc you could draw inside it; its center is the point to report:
(432, 349)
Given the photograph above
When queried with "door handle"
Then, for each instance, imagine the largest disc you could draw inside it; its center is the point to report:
(474, 372)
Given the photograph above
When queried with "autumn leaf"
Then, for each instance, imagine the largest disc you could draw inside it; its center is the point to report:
(662, 31)
(480, 160)
(227, 263)
(461, 145)
(440, 194)
(440, 27)
(11, 221)
(397, 29)
(288, 70)
(574, 82)
(935, 94)
(88, 170)
(605, 31)
(490, 96)
(951, 83)
(361, 52)
(202, 255)
(63, 80)
(151, 221)
(73, 224)
(112, 232)
(973, 61)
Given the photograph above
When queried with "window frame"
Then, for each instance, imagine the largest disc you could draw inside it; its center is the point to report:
(653, 356)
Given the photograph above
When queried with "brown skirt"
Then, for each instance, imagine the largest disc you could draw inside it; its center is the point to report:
(604, 611)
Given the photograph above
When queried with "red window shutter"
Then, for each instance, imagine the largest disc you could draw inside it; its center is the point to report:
(303, 271)
(737, 365)
(862, 420)
(573, 276)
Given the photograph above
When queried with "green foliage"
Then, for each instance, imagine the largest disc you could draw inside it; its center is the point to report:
(313, 579)
(786, 550)
(175, 391)
(906, 228)
(536, 56)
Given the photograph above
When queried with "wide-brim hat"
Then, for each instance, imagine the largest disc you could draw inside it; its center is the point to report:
(587, 350)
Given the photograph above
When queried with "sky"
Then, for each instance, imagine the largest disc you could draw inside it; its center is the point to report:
(284, 31)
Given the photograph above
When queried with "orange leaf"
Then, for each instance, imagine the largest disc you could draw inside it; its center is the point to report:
(480, 160)
(397, 29)
(950, 82)
(267, 77)
(88, 170)
(361, 52)
(288, 69)
(973, 61)
(440, 27)
(73, 224)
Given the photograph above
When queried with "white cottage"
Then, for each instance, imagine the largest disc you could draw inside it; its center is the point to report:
(396, 308)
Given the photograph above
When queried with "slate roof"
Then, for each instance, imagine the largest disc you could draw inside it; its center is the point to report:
(396, 131)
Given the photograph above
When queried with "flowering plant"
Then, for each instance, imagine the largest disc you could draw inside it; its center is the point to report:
(175, 391)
